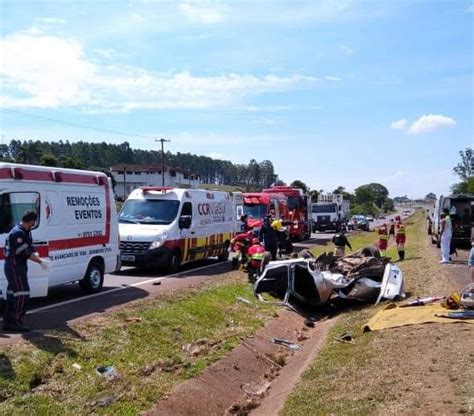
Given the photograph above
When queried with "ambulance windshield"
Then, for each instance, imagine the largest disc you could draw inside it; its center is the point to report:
(255, 211)
(149, 211)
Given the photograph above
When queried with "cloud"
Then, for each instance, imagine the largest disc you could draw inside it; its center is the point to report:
(399, 124)
(201, 13)
(45, 71)
(425, 124)
(346, 49)
(431, 122)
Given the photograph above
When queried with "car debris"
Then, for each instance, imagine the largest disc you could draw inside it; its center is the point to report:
(109, 372)
(243, 300)
(467, 297)
(256, 389)
(132, 319)
(423, 301)
(457, 315)
(291, 345)
(345, 337)
(318, 281)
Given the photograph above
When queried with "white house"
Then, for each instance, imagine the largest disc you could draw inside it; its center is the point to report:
(129, 177)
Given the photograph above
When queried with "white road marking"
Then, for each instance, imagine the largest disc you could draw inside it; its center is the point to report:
(117, 289)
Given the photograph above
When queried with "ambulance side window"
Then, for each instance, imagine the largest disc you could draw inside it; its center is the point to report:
(13, 205)
(186, 218)
(187, 209)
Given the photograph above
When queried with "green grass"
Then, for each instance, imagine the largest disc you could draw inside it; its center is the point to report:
(38, 378)
(338, 368)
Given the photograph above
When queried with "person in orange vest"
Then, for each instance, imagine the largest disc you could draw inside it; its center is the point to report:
(383, 238)
(256, 256)
(400, 238)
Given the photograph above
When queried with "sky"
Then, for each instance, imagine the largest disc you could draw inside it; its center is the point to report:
(333, 92)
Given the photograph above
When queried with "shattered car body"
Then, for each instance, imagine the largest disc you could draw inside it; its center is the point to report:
(302, 279)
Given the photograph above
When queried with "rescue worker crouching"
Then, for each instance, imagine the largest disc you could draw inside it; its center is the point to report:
(18, 250)
(240, 244)
(340, 241)
(257, 259)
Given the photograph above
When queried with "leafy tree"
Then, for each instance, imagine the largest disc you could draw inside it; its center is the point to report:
(340, 190)
(430, 195)
(314, 194)
(29, 153)
(388, 205)
(465, 169)
(72, 163)
(466, 187)
(372, 193)
(300, 184)
(49, 160)
(366, 208)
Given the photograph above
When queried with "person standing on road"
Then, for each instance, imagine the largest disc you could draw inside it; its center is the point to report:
(341, 241)
(391, 232)
(470, 263)
(18, 250)
(400, 239)
(270, 237)
(446, 233)
(383, 239)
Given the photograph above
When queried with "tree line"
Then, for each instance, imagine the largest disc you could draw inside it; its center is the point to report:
(101, 156)
(369, 199)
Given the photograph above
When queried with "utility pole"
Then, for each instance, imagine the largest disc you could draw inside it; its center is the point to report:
(162, 159)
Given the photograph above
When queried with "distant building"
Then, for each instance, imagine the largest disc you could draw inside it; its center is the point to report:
(129, 177)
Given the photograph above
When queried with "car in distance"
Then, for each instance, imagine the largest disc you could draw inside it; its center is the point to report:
(360, 222)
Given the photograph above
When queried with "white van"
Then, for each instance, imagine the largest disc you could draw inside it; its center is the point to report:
(77, 228)
(165, 227)
(461, 210)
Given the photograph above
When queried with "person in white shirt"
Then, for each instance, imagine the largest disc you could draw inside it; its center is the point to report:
(446, 232)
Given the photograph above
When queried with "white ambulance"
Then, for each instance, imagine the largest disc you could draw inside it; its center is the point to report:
(77, 228)
(164, 227)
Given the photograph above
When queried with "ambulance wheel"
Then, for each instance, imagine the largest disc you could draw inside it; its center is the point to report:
(173, 262)
(93, 279)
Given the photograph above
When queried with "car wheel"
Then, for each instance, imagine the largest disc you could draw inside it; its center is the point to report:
(93, 279)
(173, 262)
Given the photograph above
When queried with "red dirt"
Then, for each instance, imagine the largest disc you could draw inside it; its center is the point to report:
(220, 388)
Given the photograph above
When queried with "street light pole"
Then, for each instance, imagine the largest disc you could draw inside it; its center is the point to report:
(162, 160)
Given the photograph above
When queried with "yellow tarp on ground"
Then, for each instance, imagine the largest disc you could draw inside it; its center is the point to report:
(393, 316)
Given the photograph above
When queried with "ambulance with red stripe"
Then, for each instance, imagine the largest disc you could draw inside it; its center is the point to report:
(77, 228)
(164, 227)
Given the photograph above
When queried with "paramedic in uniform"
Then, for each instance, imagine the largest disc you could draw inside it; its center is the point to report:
(18, 250)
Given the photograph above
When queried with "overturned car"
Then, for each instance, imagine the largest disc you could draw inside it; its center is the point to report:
(319, 281)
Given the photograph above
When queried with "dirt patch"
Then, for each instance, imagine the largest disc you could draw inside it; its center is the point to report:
(255, 370)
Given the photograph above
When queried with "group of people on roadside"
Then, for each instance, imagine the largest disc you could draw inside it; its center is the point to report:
(396, 230)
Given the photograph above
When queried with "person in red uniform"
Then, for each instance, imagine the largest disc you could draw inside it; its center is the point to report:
(400, 239)
(383, 239)
(240, 244)
(256, 256)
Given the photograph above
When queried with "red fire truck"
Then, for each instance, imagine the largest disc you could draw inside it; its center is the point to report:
(298, 211)
(258, 204)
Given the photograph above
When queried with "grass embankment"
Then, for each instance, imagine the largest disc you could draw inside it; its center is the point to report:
(38, 377)
(411, 369)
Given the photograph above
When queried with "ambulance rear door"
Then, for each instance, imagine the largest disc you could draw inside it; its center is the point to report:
(13, 205)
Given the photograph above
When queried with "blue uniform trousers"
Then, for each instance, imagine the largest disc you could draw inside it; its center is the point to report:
(18, 291)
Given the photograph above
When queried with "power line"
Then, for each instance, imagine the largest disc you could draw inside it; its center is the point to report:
(70, 124)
